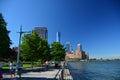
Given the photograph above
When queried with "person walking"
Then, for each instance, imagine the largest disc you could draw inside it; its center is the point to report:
(12, 69)
(46, 64)
(20, 68)
(1, 76)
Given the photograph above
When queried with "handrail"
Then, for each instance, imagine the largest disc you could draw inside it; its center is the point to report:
(65, 74)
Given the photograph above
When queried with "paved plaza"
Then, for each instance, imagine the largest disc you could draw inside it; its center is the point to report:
(35, 74)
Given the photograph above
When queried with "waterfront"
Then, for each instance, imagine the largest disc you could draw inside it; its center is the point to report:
(100, 70)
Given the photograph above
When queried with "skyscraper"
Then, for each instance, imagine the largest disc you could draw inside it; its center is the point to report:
(58, 36)
(79, 46)
(42, 32)
(68, 47)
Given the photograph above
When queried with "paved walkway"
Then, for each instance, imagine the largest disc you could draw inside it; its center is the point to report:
(36, 74)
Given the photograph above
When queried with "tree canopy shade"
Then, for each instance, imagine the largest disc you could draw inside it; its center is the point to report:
(57, 51)
(4, 39)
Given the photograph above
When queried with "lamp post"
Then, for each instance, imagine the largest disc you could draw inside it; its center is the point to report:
(18, 55)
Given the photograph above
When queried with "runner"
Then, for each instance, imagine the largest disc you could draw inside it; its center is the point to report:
(20, 68)
(12, 69)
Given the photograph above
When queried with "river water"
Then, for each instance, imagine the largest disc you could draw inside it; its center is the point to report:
(104, 70)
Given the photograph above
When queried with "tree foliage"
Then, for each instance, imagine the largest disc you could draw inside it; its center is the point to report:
(57, 51)
(45, 50)
(4, 39)
(34, 48)
(30, 46)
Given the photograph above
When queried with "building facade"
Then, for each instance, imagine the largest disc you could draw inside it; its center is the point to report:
(80, 54)
(42, 32)
(68, 47)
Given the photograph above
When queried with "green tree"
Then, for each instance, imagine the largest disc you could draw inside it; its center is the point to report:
(4, 39)
(45, 50)
(30, 47)
(12, 54)
(34, 48)
(57, 51)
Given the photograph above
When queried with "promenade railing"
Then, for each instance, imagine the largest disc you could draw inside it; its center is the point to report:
(64, 73)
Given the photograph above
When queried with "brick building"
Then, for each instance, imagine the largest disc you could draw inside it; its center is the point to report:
(79, 54)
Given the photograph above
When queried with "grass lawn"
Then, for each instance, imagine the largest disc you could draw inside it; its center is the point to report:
(25, 65)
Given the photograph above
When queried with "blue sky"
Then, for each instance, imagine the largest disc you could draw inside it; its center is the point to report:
(93, 23)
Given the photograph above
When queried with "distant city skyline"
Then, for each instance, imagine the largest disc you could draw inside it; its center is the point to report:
(95, 24)
(78, 54)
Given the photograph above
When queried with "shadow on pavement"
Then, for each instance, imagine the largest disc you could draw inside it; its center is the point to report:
(43, 69)
(39, 69)
(29, 78)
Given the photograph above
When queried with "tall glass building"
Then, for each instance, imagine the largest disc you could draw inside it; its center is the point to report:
(42, 32)
(58, 36)
(68, 47)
